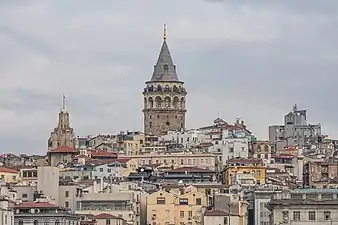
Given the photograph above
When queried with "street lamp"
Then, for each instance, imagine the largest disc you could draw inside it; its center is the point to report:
(229, 211)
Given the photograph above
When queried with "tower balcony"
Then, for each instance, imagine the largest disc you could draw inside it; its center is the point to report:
(181, 91)
(164, 109)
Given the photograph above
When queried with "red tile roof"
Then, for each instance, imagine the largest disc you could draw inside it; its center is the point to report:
(7, 170)
(106, 216)
(96, 153)
(64, 149)
(9, 155)
(35, 205)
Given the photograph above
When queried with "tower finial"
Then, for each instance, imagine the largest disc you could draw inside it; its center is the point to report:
(63, 103)
(165, 32)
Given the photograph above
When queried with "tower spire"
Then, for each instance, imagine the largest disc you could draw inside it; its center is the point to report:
(63, 103)
(165, 32)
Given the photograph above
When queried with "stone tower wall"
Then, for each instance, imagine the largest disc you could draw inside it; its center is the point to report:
(164, 107)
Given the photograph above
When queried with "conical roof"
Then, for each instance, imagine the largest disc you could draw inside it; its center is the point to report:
(164, 70)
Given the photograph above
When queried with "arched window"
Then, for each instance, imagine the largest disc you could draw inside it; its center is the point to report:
(167, 102)
(150, 102)
(150, 124)
(158, 101)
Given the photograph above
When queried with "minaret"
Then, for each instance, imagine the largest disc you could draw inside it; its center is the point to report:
(164, 96)
(63, 134)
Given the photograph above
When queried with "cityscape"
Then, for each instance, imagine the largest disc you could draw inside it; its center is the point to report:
(169, 172)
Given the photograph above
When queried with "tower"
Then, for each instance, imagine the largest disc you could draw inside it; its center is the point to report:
(63, 134)
(164, 96)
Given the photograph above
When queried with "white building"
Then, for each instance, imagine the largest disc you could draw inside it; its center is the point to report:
(305, 206)
(188, 139)
(6, 212)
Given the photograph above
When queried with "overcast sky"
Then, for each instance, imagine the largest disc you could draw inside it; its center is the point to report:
(247, 59)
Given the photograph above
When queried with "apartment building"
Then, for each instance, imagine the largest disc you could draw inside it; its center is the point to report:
(186, 207)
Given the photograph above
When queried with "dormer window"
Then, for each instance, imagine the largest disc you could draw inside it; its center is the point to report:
(165, 68)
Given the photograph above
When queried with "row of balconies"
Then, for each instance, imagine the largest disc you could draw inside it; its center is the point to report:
(166, 89)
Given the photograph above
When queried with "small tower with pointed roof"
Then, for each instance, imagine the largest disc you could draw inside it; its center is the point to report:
(63, 134)
(164, 96)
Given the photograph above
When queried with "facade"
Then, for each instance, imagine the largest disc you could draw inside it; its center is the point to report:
(33, 213)
(245, 166)
(9, 175)
(320, 174)
(205, 161)
(261, 197)
(164, 97)
(63, 134)
(6, 211)
(233, 204)
(176, 208)
(295, 131)
(304, 206)
(220, 217)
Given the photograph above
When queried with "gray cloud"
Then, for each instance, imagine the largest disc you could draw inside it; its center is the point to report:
(249, 59)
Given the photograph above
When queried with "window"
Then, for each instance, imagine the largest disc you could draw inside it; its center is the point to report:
(198, 201)
(14, 178)
(182, 161)
(183, 201)
(57, 222)
(189, 214)
(150, 124)
(101, 169)
(67, 204)
(296, 215)
(225, 220)
(36, 222)
(160, 200)
(231, 150)
(181, 214)
(109, 170)
(24, 195)
(6, 219)
(46, 222)
(20, 222)
(312, 215)
(66, 194)
(327, 215)
(296, 196)
(107, 221)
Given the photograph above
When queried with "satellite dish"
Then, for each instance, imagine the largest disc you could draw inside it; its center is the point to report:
(180, 182)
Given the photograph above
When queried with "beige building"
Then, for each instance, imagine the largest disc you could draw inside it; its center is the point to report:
(164, 208)
(125, 201)
(164, 96)
(205, 161)
(219, 217)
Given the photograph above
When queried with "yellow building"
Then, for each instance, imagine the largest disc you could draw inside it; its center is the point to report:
(244, 166)
(9, 175)
(131, 166)
(185, 207)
